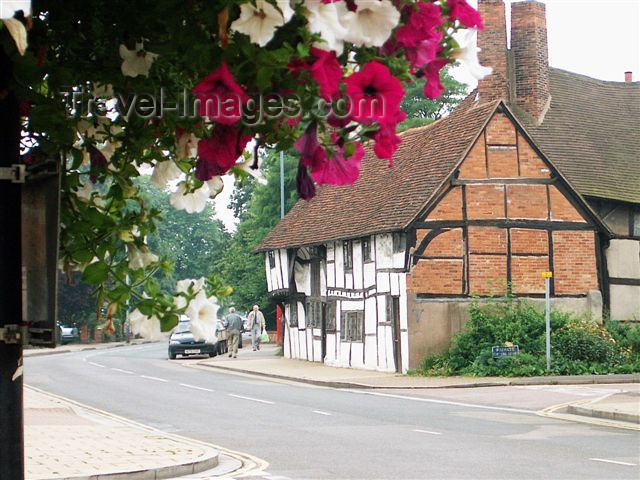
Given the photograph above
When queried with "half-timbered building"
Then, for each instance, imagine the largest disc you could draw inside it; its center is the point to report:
(537, 170)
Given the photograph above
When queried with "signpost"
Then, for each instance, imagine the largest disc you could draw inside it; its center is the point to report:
(547, 296)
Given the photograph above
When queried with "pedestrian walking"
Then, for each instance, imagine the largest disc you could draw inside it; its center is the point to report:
(234, 327)
(256, 326)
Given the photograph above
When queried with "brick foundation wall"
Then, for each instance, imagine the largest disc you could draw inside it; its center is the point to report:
(527, 202)
(526, 273)
(485, 202)
(529, 240)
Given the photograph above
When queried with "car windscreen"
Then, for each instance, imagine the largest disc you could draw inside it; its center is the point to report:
(183, 327)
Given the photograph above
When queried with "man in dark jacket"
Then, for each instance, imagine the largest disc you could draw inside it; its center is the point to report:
(234, 327)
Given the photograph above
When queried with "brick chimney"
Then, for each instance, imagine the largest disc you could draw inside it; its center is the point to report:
(530, 58)
(493, 43)
(628, 77)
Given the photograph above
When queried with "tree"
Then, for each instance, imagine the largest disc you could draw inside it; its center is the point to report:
(258, 213)
(422, 111)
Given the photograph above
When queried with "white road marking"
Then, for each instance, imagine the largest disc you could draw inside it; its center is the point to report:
(96, 364)
(613, 461)
(122, 371)
(444, 402)
(251, 398)
(154, 378)
(320, 412)
(426, 431)
(195, 387)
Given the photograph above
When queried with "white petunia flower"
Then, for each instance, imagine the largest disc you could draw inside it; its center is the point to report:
(137, 61)
(186, 146)
(165, 172)
(468, 56)
(190, 202)
(182, 286)
(324, 19)
(254, 172)
(18, 32)
(146, 327)
(140, 257)
(203, 316)
(372, 23)
(215, 186)
(259, 22)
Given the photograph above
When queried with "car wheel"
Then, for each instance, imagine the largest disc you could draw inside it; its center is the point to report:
(172, 356)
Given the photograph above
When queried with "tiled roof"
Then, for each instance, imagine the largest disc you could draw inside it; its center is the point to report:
(383, 199)
(592, 134)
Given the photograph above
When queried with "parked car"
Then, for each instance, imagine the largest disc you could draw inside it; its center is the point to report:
(221, 333)
(68, 335)
(182, 342)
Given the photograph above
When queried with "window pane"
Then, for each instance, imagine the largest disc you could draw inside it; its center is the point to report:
(636, 224)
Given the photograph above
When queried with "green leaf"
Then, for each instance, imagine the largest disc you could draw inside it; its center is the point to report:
(96, 273)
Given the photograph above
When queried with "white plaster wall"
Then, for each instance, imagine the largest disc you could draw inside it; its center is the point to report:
(625, 302)
(357, 265)
(623, 258)
(339, 266)
(389, 347)
(331, 274)
(384, 251)
(383, 283)
(345, 351)
(303, 278)
(330, 359)
(370, 316)
(398, 259)
(268, 270)
(277, 271)
(369, 274)
(357, 355)
(284, 262)
(394, 280)
(330, 251)
(371, 353)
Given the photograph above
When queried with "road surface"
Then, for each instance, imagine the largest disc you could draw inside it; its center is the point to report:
(314, 432)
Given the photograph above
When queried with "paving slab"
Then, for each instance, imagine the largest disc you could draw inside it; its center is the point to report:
(64, 440)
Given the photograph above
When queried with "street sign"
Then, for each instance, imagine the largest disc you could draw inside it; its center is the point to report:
(503, 351)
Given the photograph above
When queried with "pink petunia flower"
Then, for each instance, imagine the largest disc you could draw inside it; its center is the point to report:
(433, 88)
(386, 139)
(219, 152)
(304, 183)
(374, 94)
(312, 154)
(221, 98)
(339, 169)
(463, 12)
(327, 72)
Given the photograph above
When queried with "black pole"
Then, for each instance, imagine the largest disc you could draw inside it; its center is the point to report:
(11, 400)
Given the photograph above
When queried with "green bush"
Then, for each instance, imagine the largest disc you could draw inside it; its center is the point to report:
(579, 345)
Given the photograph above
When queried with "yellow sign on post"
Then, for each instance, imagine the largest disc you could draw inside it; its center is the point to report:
(547, 274)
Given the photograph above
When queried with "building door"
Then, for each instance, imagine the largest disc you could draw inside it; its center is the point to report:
(394, 311)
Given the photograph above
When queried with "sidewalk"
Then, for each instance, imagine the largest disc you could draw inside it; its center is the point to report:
(266, 363)
(78, 347)
(66, 440)
(619, 410)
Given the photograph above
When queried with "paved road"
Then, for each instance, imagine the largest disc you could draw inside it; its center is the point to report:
(311, 432)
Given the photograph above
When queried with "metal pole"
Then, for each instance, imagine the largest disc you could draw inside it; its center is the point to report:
(547, 297)
(11, 400)
(281, 184)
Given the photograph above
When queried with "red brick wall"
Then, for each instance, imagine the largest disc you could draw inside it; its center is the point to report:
(485, 202)
(449, 208)
(503, 162)
(561, 208)
(500, 130)
(487, 274)
(574, 262)
(528, 240)
(531, 165)
(527, 202)
(436, 276)
(475, 165)
(526, 273)
(487, 240)
(446, 244)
